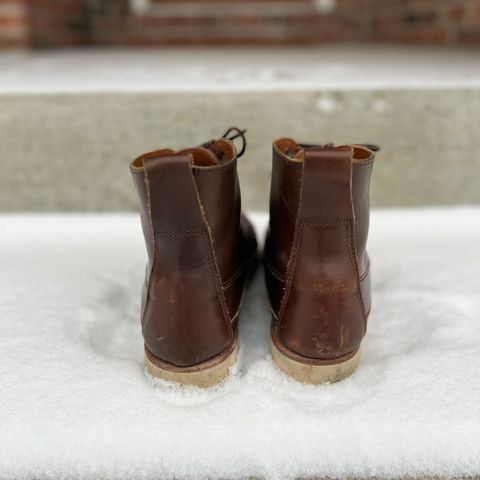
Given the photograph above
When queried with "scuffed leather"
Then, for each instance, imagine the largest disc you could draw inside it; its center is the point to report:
(200, 249)
(317, 268)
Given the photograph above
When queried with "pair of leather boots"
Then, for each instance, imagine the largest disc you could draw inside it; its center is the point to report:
(202, 251)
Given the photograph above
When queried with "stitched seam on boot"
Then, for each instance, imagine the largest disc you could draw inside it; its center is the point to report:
(365, 274)
(216, 169)
(275, 273)
(231, 280)
(291, 270)
(349, 234)
(213, 266)
(296, 253)
(178, 233)
(154, 240)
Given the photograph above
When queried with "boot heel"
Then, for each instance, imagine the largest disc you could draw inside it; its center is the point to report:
(203, 375)
(315, 373)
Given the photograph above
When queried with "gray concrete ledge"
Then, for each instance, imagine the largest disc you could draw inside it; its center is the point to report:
(70, 151)
(240, 70)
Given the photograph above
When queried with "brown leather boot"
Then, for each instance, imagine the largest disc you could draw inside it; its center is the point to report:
(316, 264)
(200, 251)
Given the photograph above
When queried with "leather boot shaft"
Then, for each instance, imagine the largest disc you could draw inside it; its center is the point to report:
(317, 268)
(197, 244)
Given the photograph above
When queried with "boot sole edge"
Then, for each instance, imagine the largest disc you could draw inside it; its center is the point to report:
(314, 374)
(203, 375)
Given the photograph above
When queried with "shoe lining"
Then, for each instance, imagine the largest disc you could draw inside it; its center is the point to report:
(295, 152)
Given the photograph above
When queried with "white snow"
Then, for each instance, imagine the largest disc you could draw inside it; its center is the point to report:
(75, 401)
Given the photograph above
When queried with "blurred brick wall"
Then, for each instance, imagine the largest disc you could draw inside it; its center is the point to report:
(443, 22)
(247, 21)
(77, 22)
(14, 25)
(52, 23)
(59, 22)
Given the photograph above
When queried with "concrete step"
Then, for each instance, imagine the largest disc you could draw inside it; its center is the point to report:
(71, 121)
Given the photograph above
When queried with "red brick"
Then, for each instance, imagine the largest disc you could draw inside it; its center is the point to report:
(456, 12)
(75, 22)
(469, 37)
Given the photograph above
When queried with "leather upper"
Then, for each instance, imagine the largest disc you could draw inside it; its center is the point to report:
(316, 264)
(199, 247)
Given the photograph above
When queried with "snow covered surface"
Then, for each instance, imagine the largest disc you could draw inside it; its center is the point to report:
(241, 69)
(75, 401)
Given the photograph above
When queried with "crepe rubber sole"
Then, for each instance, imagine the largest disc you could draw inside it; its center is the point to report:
(314, 372)
(203, 375)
